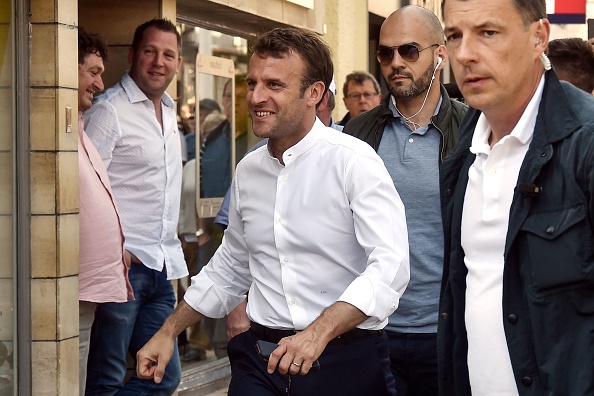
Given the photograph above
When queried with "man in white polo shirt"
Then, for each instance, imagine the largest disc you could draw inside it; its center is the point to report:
(517, 308)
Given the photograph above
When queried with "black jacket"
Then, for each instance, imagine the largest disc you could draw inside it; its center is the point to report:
(345, 119)
(369, 126)
(548, 276)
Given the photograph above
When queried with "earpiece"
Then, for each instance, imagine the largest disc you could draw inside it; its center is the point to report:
(439, 60)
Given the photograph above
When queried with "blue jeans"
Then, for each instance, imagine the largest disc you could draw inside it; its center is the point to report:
(413, 360)
(125, 327)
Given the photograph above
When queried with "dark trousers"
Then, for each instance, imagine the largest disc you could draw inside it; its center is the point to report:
(359, 367)
(413, 360)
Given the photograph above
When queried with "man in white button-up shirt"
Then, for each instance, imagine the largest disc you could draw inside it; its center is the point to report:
(317, 235)
(134, 129)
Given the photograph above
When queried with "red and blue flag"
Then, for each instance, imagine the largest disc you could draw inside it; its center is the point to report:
(566, 11)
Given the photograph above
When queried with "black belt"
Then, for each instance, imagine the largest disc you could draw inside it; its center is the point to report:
(275, 335)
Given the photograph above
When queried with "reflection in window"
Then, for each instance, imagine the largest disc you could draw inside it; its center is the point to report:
(204, 115)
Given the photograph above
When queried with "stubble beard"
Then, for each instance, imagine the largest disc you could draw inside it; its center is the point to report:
(417, 88)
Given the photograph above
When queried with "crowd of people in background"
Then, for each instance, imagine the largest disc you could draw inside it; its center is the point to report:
(437, 240)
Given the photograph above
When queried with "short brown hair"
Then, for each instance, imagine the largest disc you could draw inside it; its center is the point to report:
(573, 60)
(164, 25)
(308, 45)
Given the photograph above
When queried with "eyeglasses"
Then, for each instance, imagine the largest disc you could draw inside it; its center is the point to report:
(365, 95)
(408, 52)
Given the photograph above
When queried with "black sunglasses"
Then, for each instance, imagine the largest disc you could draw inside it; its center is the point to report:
(408, 52)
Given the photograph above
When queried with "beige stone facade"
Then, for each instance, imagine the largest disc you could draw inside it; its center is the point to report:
(54, 197)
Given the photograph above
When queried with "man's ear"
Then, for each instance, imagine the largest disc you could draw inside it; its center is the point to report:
(324, 102)
(543, 31)
(130, 55)
(442, 52)
(316, 92)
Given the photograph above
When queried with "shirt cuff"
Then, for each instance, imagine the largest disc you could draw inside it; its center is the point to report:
(208, 299)
(375, 299)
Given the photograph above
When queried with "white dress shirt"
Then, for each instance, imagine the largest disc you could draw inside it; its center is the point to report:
(144, 164)
(327, 226)
(491, 182)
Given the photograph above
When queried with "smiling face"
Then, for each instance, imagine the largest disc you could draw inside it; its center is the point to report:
(155, 62)
(278, 108)
(407, 80)
(89, 80)
(494, 54)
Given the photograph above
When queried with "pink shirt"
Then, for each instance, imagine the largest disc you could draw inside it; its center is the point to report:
(103, 274)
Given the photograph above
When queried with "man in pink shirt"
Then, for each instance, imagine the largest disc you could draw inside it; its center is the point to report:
(103, 272)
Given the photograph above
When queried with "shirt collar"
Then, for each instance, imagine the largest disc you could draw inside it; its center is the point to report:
(392, 106)
(306, 143)
(522, 132)
(135, 94)
(401, 123)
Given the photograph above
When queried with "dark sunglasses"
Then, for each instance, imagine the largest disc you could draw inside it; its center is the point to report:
(408, 52)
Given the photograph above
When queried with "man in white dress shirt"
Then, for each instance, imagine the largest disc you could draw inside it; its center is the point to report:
(317, 234)
(134, 129)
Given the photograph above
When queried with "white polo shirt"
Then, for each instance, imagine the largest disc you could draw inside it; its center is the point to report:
(491, 182)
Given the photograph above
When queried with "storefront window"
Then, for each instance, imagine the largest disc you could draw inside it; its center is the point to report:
(205, 106)
(7, 222)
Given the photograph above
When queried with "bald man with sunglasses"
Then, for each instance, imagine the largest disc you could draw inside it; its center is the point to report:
(413, 129)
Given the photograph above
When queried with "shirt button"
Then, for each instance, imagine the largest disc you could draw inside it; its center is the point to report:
(286, 259)
(284, 178)
(513, 319)
(527, 381)
(279, 219)
(293, 301)
(410, 140)
(550, 229)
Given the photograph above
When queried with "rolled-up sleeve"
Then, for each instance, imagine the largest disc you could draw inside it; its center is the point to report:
(223, 283)
(380, 228)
